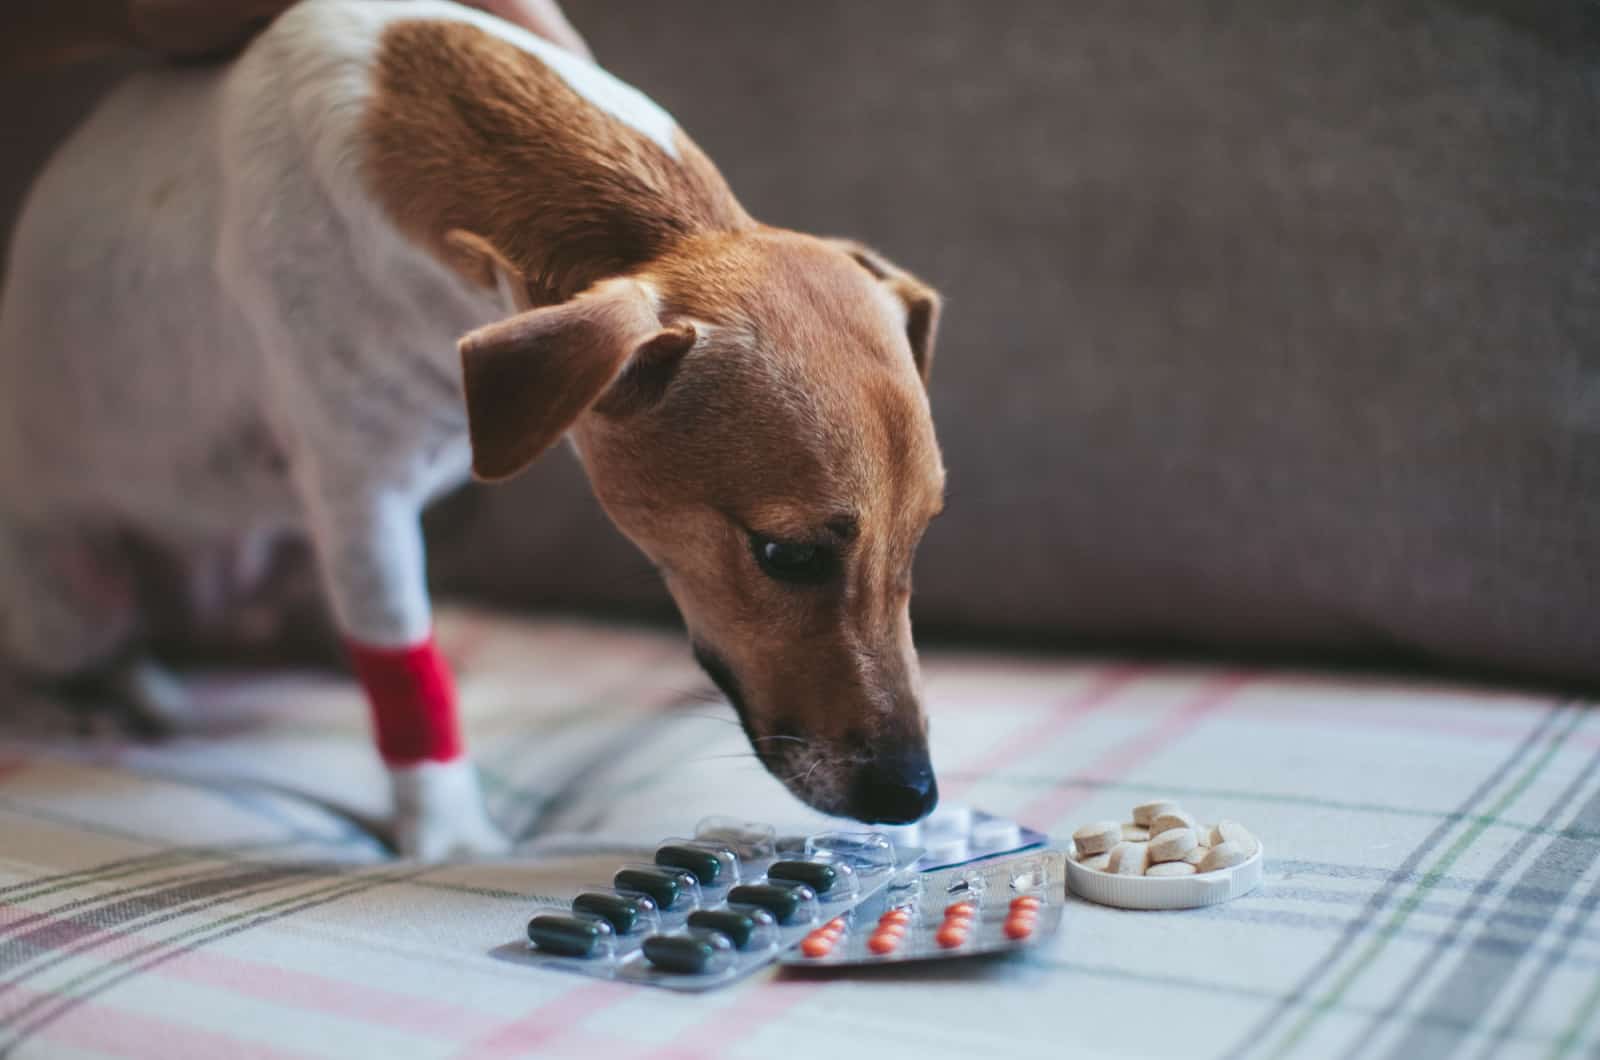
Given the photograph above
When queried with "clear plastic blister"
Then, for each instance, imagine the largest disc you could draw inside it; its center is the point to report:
(955, 834)
(675, 892)
(863, 851)
(989, 907)
(715, 866)
(710, 908)
(753, 841)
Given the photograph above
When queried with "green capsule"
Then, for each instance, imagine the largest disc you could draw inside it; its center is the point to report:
(737, 925)
(686, 955)
(702, 864)
(783, 902)
(620, 911)
(813, 874)
(666, 886)
(567, 936)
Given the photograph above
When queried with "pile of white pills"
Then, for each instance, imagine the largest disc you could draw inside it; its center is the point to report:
(1162, 840)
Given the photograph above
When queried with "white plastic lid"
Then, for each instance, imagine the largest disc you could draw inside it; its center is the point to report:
(1166, 892)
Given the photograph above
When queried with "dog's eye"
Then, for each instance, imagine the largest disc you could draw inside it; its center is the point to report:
(793, 561)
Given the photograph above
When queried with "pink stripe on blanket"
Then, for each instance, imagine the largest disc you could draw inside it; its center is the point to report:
(755, 1009)
(372, 1006)
(98, 1027)
(537, 1030)
(1047, 810)
(1100, 690)
(308, 991)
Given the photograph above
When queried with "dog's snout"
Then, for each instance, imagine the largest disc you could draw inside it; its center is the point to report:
(895, 789)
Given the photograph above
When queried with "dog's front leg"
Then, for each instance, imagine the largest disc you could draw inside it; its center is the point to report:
(371, 550)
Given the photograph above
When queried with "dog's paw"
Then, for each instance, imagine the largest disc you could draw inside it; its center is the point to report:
(439, 815)
(428, 840)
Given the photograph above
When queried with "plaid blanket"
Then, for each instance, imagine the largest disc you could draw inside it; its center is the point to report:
(1430, 891)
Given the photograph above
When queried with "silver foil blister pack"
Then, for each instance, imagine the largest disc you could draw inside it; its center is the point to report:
(993, 906)
(710, 908)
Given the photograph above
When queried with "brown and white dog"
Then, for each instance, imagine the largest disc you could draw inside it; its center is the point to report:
(233, 311)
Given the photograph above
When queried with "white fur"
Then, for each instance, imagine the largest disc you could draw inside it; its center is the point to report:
(438, 812)
(200, 281)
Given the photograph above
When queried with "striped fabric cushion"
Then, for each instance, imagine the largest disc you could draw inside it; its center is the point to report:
(1430, 890)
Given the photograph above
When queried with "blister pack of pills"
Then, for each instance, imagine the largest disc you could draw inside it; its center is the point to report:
(957, 835)
(990, 907)
(710, 908)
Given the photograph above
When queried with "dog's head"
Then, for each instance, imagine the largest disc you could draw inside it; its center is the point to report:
(752, 412)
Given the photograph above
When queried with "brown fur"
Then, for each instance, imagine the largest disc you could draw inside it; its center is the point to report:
(921, 301)
(723, 380)
(470, 132)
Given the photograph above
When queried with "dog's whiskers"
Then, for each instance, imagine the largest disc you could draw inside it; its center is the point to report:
(705, 717)
(714, 758)
(698, 695)
(801, 778)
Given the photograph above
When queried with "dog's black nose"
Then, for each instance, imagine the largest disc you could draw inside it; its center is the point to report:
(897, 789)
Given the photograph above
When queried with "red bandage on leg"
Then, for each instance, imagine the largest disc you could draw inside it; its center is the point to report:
(413, 701)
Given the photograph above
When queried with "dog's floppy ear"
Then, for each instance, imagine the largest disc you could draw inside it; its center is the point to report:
(921, 301)
(529, 378)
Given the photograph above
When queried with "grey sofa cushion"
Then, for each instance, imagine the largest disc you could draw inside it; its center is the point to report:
(1268, 325)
